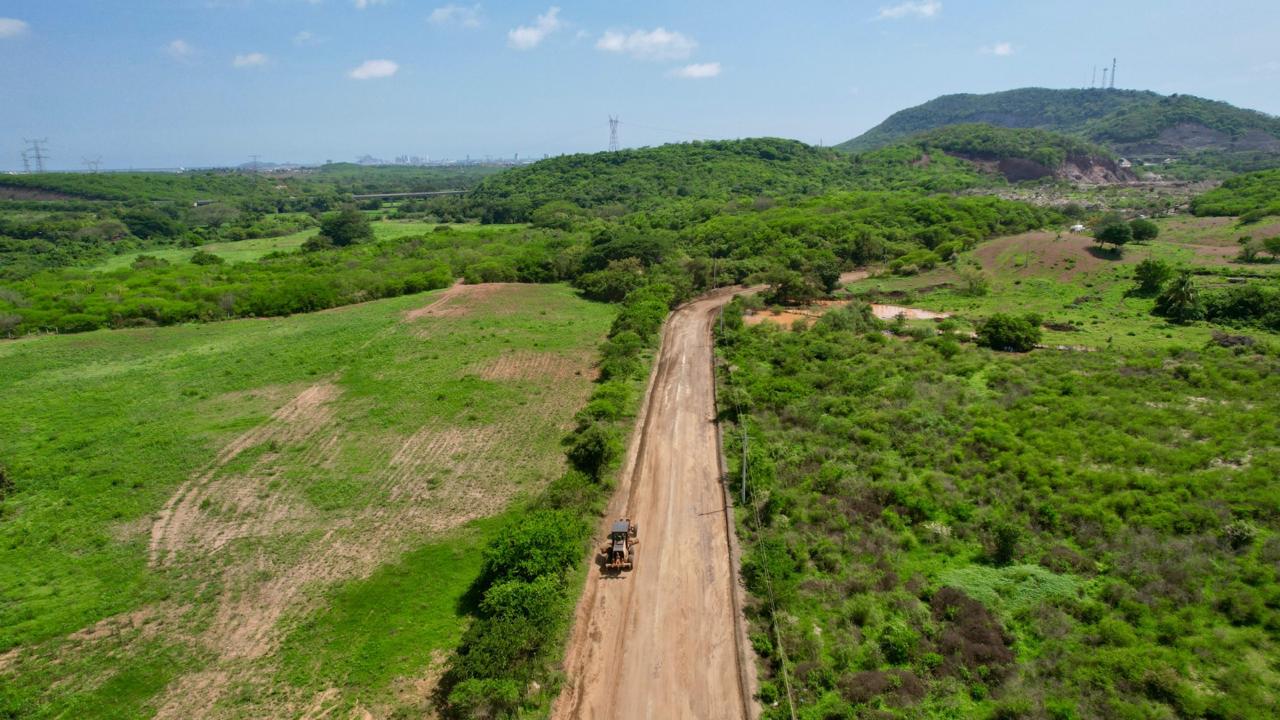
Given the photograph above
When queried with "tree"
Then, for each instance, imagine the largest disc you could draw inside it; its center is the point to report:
(1180, 302)
(1114, 234)
(346, 227)
(1249, 249)
(1143, 230)
(147, 223)
(1272, 245)
(1010, 333)
(1151, 275)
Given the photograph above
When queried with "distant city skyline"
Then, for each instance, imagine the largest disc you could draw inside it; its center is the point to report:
(172, 83)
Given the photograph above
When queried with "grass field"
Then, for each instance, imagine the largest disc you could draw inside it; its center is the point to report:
(250, 250)
(1068, 280)
(271, 517)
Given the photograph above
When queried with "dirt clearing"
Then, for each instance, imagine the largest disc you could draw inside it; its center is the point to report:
(666, 640)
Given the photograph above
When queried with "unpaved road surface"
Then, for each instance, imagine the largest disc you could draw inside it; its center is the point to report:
(666, 640)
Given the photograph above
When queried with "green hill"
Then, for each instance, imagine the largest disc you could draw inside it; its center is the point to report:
(1130, 122)
(647, 178)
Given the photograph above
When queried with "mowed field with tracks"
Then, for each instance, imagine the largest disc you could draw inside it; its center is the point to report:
(271, 517)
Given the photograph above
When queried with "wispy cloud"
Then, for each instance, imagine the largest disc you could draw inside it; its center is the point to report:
(362, 4)
(656, 44)
(374, 69)
(1270, 66)
(527, 37)
(180, 50)
(468, 17)
(12, 27)
(922, 9)
(1002, 49)
(306, 38)
(697, 71)
(249, 60)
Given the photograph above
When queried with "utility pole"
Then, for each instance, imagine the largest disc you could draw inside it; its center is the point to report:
(1113, 73)
(1094, 82)
(36, 153)
(1104, 78)
(613, 133)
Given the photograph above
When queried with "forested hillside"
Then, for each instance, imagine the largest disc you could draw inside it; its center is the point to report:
(652, 177)
(1212, 134)
(1043, 108)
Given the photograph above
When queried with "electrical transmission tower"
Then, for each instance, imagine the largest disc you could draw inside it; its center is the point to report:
(35, 152)
(613, 133)
(92, 164)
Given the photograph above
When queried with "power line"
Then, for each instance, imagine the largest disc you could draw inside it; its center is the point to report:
(700, 136)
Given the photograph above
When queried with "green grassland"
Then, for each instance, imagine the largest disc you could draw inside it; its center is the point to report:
(1069, 281)
(335, 473)
(936, 530)
(255, 248)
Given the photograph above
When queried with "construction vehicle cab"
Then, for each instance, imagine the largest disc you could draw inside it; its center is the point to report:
(620, 551)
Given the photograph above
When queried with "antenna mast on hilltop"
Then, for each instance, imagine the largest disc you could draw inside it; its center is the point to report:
(1113, 73)
(35, 152)
(613, 133)
(1094, 82)
(1104, 78)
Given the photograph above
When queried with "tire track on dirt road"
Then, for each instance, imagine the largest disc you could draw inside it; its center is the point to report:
(667, 640)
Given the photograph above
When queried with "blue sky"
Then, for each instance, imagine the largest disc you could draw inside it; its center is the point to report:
(162, 83)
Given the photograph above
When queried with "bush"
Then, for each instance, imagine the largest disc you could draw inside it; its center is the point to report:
(1151, 275)
(202, 257)
(1180, 301)
(346, 227)
(1143, 230)
(1009, 333)
(592, 449)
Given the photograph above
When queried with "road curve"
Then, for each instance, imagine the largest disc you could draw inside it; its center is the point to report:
(667, 640)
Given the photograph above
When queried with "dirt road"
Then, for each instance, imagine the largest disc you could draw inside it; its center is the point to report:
(666, 640)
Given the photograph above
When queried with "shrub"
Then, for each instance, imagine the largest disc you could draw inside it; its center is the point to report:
(1009, 333)
(1150, 276)
(346, 227)
(592, 449)
(202, 257)
(1180, 301)
(1143, 230)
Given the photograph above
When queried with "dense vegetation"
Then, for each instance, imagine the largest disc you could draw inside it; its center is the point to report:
(651, 178)
(1252, 196)
(1127, 121)
(978, 140)
(1044, 108)
(941, 531)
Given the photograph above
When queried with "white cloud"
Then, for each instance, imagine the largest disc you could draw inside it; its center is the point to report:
(12, 27)
(697, 71)
(468, 17)
(306, 38)
(1270, 66)
(180, 50)
(924, 9)
(1003, 49)
(528, 37)
(248, 60)
(362, 4)
(373, 69)
(656, 44)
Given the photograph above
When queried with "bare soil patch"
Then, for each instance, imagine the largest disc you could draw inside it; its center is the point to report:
(242, 524)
